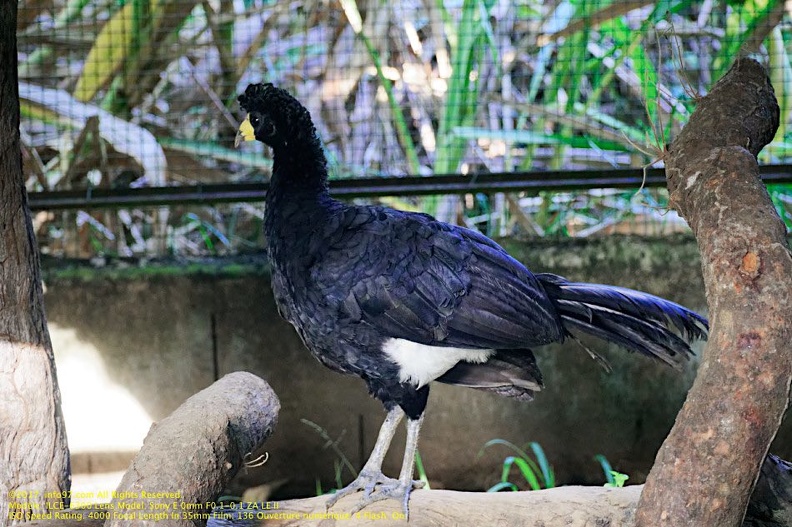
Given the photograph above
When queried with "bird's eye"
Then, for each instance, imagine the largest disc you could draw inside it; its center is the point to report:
(254, 120)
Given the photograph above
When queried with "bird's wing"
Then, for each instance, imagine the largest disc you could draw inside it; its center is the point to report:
(418, 279)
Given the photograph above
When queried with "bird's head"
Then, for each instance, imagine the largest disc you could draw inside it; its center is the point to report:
(274, 117)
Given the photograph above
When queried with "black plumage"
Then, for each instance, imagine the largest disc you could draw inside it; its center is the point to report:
(400, 299)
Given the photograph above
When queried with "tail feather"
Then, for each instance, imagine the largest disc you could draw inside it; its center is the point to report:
(509, 372)
(637, 321)
(647, 330)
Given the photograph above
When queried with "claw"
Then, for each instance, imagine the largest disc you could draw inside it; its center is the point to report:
(406, 502)
(376, 487)
(372, 484)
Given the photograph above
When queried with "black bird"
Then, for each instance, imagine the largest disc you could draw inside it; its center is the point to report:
(401, 299)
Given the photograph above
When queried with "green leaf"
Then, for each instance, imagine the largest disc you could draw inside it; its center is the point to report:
(528, 472)
(528, 137)
(547, 470)
(492, 442)
(741, 24)
(474, 34)
(503, 485)
(421, 472)
(117, 40)
(511, 136)
(780, 77)
(619, 479)
(126, 41)
(538, 475)
(211, 150)
(606, 468)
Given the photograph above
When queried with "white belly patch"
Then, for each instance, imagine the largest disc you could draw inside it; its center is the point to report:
(421, 364)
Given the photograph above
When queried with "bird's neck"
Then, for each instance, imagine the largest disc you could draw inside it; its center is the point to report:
(299, 171)
(298, 201)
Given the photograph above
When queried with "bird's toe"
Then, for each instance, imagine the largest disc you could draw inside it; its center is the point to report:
(368, 482)
(393, 489)
(377, 487)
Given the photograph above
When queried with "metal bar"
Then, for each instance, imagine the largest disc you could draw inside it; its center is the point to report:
(371, 187)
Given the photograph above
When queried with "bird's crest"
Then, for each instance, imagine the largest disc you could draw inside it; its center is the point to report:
(291, 119)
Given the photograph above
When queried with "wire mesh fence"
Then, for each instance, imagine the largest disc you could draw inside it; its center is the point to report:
(125, 94)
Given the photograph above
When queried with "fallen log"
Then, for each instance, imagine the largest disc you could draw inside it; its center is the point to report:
(567, 506)
(770, 506)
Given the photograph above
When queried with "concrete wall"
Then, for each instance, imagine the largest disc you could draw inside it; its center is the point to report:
(133, 343)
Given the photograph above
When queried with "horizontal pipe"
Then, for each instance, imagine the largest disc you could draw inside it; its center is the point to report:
(102, 198)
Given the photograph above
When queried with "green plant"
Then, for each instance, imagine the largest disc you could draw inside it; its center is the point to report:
(485, 85)
(535, 469)
(470, 41)
(614, 478)
(420, 468)
(619, 479)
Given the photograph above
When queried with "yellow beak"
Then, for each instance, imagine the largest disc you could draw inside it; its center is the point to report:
(245, 132)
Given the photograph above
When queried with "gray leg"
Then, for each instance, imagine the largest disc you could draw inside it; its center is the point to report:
(375, 485)
(371, 473)
(408, 463)
(384, 438)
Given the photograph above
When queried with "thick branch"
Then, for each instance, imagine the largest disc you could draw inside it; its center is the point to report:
(708, 465)
(192, 454)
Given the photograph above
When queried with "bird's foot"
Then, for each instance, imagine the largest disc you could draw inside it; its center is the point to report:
(377, 487)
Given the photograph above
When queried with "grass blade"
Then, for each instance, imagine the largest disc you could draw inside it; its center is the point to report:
(421, 471)
(526, 470)
(503, 485)
(544, 465)
(606, 468)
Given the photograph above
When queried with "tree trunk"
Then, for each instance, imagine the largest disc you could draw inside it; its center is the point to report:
(34, 456)
(708, 465)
